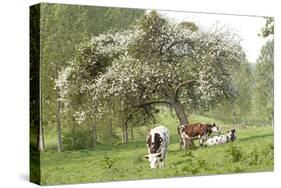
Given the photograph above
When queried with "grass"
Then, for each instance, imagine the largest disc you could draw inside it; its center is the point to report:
(252, 152)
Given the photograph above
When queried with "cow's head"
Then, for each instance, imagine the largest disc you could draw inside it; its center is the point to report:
(153, 159)
(214, 128)
(232, 134)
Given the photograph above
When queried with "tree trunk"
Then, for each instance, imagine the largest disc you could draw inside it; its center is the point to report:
(41, 141)
(74, 135)
(132, 133)
(189, 144)
(110, 130)
(94, 135)
(125, 133)
(58, 116)
(272, 119)
(41, 144)
(180, 113)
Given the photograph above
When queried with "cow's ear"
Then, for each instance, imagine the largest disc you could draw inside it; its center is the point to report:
(146, 157)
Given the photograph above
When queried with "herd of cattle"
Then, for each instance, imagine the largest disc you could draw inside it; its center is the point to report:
(158, 139)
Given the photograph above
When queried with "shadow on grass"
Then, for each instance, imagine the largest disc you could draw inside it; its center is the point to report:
(255, 137)
(132, 145)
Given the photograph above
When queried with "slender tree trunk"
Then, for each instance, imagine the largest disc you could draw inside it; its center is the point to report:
(132, 133)
(110, 130)
(126, 133)
(74, 134)
(94, 135)
(58, 116)
(41, 142)
(272, 119)
(123, 133)
(41, 138)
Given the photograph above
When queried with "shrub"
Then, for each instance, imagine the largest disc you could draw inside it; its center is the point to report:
(253, 158)
(235, 153)
(80, 139)
(108, 162)
(202, 164)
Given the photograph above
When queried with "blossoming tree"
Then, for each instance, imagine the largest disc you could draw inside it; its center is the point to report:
(156, 62)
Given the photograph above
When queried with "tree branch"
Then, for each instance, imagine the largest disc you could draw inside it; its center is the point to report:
(188, 82)
(148, 103)
(179, 42)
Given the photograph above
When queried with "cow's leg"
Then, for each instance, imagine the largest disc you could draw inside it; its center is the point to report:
(202, 140)
(200, 143)
(163, 163)
(160, 162)
(181, 143)
(183, 139)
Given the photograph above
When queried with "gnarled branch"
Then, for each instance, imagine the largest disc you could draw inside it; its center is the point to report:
(148, 103)
(188, 82)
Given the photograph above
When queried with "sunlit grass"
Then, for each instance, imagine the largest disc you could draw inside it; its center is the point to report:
(254, 150)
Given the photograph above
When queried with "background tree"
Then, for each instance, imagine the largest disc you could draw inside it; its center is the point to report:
(264, 92)
(268, 29)
(264, 89)
(241, 107)
(62, 29)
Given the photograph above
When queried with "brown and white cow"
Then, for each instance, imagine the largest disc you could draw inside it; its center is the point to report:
(196, 130)
(157, 144)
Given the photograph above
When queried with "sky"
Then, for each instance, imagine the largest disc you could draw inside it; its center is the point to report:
(247, 27)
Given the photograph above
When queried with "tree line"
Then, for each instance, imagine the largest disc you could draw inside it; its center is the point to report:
(62, 29)
(255, 82)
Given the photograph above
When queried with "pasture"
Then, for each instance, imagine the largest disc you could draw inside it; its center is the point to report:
(251, 152)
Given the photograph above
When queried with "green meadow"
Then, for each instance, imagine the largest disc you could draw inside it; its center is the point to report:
(251, 152)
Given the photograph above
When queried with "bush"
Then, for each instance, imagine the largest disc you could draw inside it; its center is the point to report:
(252, 158)
(108, 162)
(80, 139)
(235, 153)
(192, 169)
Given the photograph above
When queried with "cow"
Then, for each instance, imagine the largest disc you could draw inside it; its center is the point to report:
(230, 136)
(196, 130)
(157, 144)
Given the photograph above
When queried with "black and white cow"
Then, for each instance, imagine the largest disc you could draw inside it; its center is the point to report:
(157, 144)
(222, 139)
